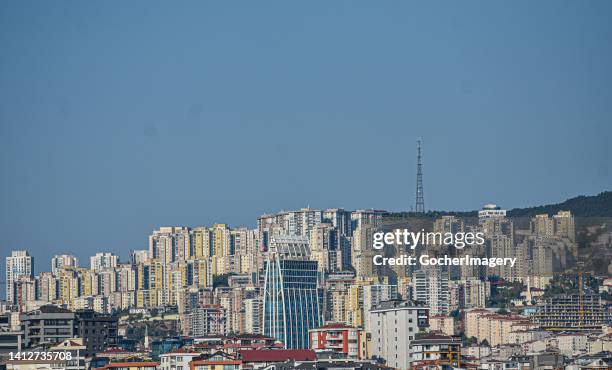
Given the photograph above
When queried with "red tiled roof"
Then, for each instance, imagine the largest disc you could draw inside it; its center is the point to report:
(277, 355)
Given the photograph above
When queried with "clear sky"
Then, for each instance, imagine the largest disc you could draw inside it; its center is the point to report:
(120, 117)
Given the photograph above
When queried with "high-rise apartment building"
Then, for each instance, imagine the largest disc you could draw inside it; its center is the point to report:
(340, 219)
(208, 320)
(46, 287)
(103, 260)
(373, 294)
(448, 224)
(542, 225)
(560, 225)
(63, 260)
(24, 292)
(394, 325)
(541, 258)
(468, 293)
(564, 225)
(430, 286)
(326, 247)
(292, 223)
(19, 263)
(500, 245)
(362, 251)
(170, 244)
(362, 217)
(139, 256)
(253, 308)
(221, 241)
(492, 221)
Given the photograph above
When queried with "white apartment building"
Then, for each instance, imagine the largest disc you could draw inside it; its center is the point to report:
(103, 260)
(63, 260)
(252, 315)
(373, 295)
(394, 324)
(20, 263)
(430, 286)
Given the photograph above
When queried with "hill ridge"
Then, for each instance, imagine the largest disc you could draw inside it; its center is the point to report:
(599, 205)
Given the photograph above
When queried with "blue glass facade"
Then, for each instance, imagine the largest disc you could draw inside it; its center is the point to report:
(292, 300)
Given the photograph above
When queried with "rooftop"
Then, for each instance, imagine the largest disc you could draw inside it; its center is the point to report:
(277, 355)
(52, 309)
(335, 326)
(397, 304)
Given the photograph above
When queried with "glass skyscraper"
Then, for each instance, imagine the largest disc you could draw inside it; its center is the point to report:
(292, 298)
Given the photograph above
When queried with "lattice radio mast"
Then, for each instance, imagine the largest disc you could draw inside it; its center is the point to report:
(420, 199)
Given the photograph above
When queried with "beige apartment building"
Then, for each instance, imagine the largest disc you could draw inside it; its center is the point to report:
(443, 324)
(496, 329)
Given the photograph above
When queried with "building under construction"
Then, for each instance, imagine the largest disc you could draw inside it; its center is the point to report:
(572, 312)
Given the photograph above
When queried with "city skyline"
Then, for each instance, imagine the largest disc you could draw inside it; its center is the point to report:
(307, 280)
(125, 254)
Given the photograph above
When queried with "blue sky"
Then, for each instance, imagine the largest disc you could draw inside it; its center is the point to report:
(120, 117)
